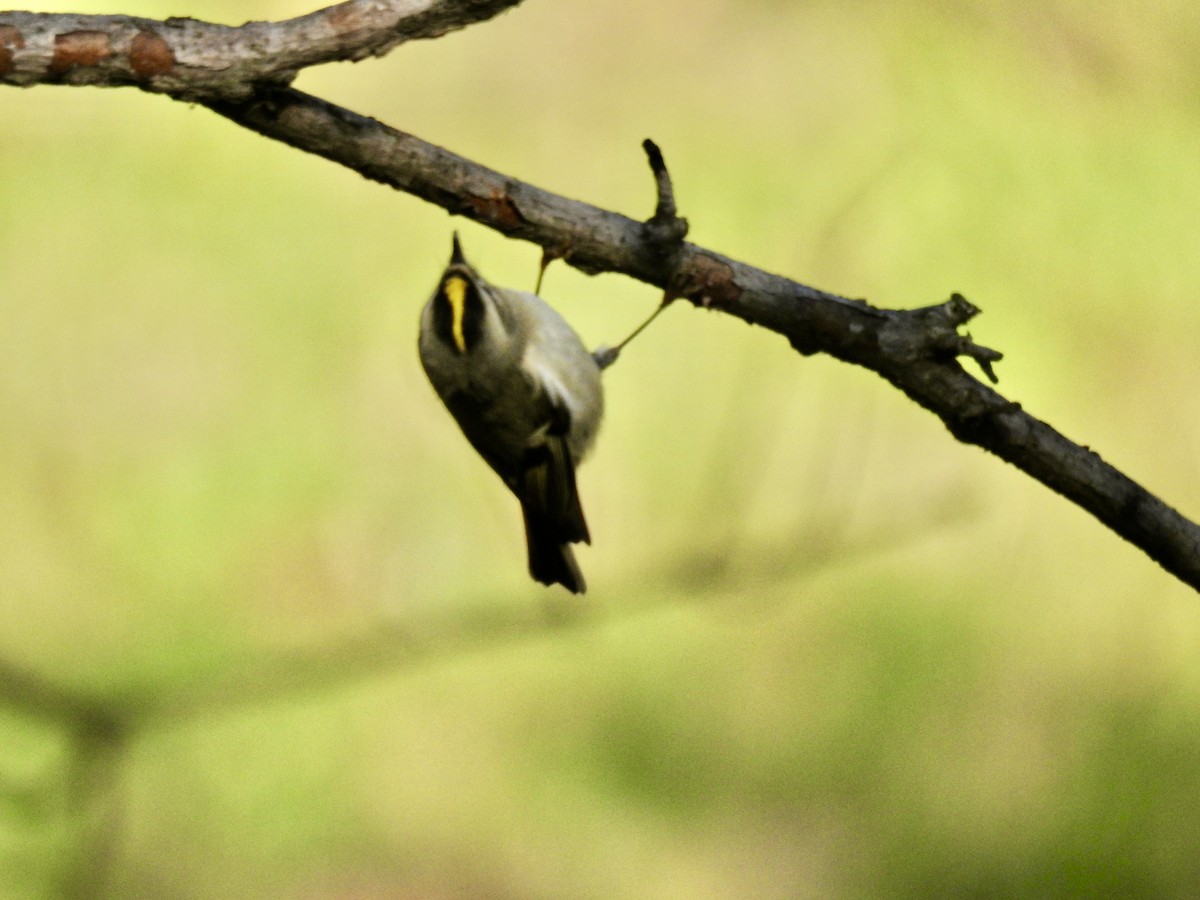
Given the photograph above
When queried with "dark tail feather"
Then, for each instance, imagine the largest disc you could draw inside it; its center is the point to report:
(553, 514)
(550, 561)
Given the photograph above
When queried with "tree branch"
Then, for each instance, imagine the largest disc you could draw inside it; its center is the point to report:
(191, 59)
(240, 74)
(916, 350)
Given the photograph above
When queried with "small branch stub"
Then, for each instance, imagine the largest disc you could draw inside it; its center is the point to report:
(932, 332)
(665, 229)
(958, 310)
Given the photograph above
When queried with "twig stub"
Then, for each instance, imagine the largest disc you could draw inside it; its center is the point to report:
(665, 229)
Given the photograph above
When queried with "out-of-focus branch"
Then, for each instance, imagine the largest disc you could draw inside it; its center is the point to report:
(190, 59)
(29, 694)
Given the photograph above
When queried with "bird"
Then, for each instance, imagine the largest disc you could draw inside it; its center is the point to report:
(528, 397)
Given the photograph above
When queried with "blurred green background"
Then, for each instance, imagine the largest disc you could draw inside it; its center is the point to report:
(826, 651)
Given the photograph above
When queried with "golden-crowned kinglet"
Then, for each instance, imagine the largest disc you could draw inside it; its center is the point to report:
(526, 394)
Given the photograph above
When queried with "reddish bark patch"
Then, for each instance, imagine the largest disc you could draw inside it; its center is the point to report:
(498, 208)
(708, 281)
(79, 48)
(150, 55)
(344, 17)
(11, 36)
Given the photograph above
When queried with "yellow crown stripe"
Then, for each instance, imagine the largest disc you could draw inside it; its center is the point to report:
(455, 290)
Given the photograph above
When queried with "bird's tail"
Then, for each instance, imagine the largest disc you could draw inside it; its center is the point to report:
(553, 514)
